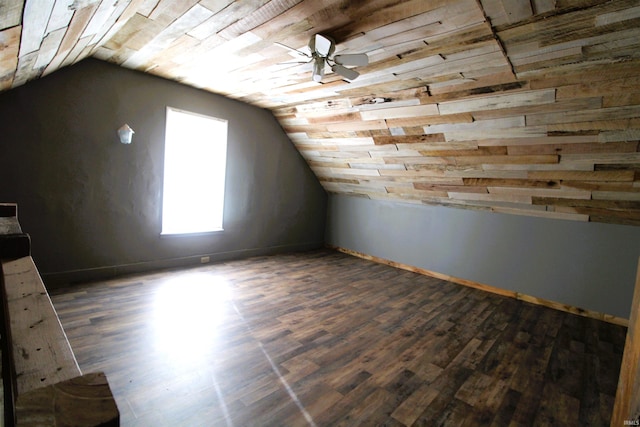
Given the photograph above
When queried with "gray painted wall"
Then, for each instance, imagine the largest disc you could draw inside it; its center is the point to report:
(93, 205)
(586, 265)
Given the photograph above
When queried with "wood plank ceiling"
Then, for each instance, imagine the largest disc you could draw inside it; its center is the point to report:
(524, 107)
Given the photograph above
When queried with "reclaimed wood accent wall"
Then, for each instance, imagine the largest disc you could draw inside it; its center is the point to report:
(518, 107)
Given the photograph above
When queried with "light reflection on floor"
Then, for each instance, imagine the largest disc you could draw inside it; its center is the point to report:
(188, 311)
(190, 356)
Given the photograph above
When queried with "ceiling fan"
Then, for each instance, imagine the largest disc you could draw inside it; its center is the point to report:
(322, 48)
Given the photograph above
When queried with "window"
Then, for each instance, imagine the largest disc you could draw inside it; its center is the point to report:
(195, 157)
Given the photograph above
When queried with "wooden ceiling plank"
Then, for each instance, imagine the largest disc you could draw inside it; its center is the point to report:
(508, 122)
(430, 120)
(611, 87)
(388, 85)
(301, 16)
(331, 106)
(60, 16)
(417, 192)
(613, 113)
(118, 20)
(506, 159)
(182, 25)
(191, 55)
(25, 70)
(633, 196)
(494, 102)
(391, 70)
(543, 6)
(600, 186)
(381, 14)
(76, 52)
(11, 14)
(517, 10)
(9, 56)
(363, 125)
(445, 151)
(341, 141)
(524, 168)
(574, 148)
(586, 73)
(262, 15)
(10, 42)
(617, 16)
(450, 188)
(335, 118)
(220, 19)
(402, 41)
(602, 158)
(76, 27)
(543, 139)
(101, 16)
(618, 205)
(215, 6)
(625, 135)
(36, 18)
(413, 177)
(493, 136)
(490, 173)
(435, 146)
(562, 26)
(380, 99)
(543, 214)
(137, 32)
(164, 59)
(559, 54)
(407, 159)
(433, 23)
(146, 7)
(598, 176)
(559, 106)
(495, 11)
(489, 197)
(167, 11)
(559, 193)
(401, 112)
(510, 182)
(415, 101)
(495, 84)
(49, 48)
(456, 69)
(411, 139)
(355, 172)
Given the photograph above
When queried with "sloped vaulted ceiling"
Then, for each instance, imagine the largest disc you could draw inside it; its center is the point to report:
(526, 107)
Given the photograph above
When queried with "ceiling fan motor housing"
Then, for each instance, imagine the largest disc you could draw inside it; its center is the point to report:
(322, 47)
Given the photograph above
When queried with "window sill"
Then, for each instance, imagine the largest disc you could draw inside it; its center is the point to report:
(191, 234)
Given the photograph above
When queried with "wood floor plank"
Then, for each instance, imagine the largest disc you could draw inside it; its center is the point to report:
(323, 338)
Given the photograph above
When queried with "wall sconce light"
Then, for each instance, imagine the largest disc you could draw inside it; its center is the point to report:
(125, 133)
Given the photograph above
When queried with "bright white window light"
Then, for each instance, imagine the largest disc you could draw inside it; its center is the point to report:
(195, 158)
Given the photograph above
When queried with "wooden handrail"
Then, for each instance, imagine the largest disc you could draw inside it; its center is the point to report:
(47, 386)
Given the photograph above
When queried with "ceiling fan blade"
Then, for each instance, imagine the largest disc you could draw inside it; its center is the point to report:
(318, 69)
(293, 62)
(345, 72)
(323, 45)
(359, 59)
(299, 52)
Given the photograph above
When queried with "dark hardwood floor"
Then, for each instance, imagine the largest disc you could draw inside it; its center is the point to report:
(327, 339)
